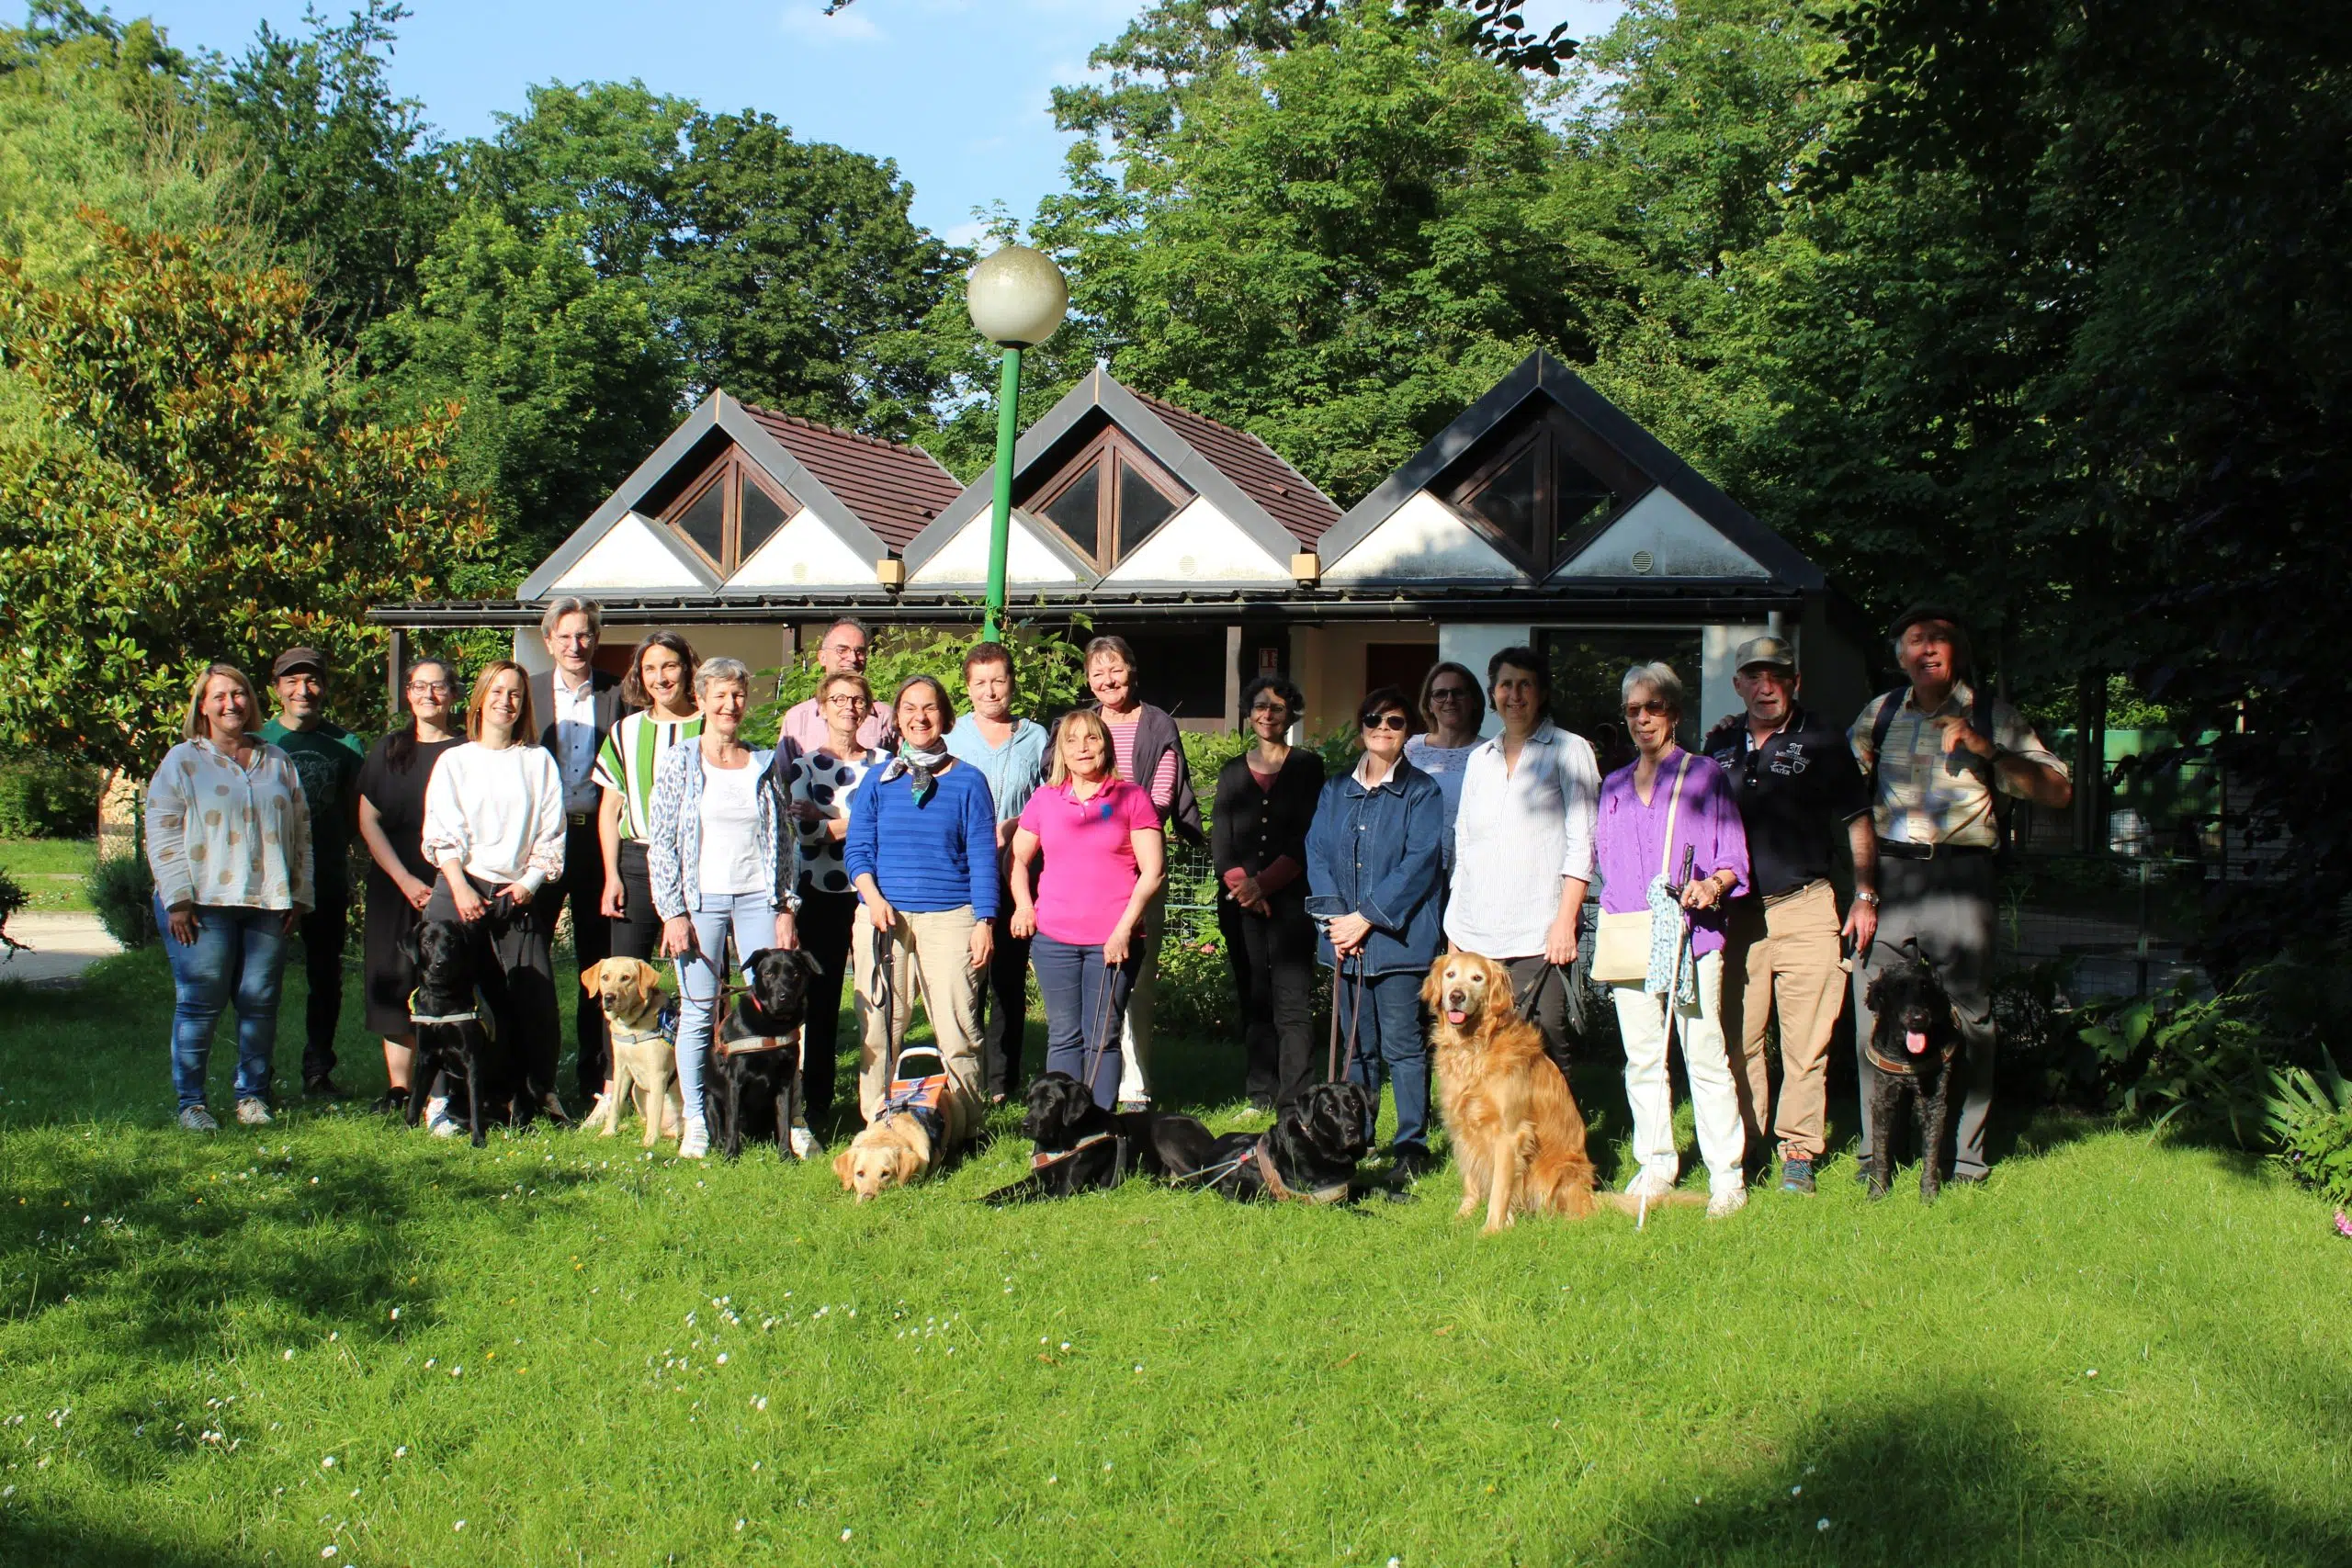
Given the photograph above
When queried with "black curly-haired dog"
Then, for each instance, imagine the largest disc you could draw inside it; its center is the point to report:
(1309, 1155)
(1081, 1147)
(1914, 1045)
(454, 1032)
(755, 1060)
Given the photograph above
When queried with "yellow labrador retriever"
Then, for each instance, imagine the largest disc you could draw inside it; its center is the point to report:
(644, 1064)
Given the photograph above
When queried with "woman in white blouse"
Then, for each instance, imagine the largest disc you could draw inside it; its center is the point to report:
(1523, 843)
(721, 866)
(229, 841)
(495, 824)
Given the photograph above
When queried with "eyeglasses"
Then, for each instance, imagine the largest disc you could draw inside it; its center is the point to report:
(847, 699)
(1450, 694)
(423, 688)
(1655, 708)
(1270, 707)
(1388, 721)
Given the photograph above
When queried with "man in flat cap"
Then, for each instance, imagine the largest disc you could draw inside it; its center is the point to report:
(1938, 752)
(1798, 790)
(326, 758)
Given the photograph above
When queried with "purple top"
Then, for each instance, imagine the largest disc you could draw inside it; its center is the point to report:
(1630, 840)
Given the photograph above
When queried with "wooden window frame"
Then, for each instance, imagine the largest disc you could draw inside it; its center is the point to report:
(1568, 441)
(728, 469)
(1115, 451)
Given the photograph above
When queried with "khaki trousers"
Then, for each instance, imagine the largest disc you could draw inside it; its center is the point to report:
(1783, 953)
(931, 953)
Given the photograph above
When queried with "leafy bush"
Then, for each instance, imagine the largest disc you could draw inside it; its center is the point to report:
(122, 890)
(46, 797)
(12, 898)
(2206, 1061)
(2310, 1118)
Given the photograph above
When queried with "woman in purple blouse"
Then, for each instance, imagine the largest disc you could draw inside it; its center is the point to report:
(1664, 784)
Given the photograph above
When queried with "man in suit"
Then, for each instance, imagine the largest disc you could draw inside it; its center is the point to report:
(578, 705)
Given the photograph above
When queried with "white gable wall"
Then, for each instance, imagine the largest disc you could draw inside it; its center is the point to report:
(636, 554)
(1422, 540)
(965, 558)
(804, 551)
(1200, 544)
(1680, 543)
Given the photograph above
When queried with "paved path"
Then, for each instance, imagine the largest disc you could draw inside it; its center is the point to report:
(61, 946)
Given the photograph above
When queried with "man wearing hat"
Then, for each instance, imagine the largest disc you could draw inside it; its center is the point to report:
(1938, 752)
(1798, 789)
(326, 758)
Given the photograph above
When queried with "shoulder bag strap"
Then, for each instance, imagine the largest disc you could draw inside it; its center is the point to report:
(1673, 805)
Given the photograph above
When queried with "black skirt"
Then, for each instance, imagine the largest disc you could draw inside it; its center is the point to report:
(389, 979)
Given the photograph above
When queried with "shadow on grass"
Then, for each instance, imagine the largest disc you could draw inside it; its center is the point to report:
(1961, 1478)
(54, 1543)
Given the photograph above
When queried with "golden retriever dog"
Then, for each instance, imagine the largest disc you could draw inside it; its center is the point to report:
(644, 1064)
(922, 1119)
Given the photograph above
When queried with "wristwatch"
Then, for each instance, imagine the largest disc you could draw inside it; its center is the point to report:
(1864, 895)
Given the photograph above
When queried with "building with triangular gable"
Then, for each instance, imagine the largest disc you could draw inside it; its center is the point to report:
(1541, 515)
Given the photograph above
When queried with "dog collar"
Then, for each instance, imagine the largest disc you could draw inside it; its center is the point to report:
(621, 1036)
(1280, 1188)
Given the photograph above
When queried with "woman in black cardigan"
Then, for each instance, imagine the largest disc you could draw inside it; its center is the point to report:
(1265, 799)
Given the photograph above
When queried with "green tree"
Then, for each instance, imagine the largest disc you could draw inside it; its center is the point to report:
(210, 494)
(608, 153)
(565, 377)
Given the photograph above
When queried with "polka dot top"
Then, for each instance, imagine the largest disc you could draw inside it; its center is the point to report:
(820, 779)
(228, 836)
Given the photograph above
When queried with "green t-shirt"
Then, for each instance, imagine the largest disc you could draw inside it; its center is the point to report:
(326, 758)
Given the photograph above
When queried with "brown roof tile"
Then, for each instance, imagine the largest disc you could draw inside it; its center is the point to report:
(1263, 476)
(894, 488)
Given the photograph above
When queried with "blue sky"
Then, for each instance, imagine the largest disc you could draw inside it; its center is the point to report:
(954, 90)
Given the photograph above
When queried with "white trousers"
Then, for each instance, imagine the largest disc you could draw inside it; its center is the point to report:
(1135, 1032)
(1715, 1104)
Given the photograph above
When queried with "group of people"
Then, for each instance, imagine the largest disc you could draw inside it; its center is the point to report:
(917, 845)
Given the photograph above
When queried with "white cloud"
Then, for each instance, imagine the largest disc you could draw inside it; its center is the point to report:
(806, 20)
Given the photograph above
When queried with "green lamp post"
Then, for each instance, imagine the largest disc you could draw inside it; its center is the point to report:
(1017, 298)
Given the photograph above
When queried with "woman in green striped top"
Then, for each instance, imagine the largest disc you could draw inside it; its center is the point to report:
(661, 686)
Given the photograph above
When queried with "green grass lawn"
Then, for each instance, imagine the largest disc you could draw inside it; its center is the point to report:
(254, 1348)
(53, 871)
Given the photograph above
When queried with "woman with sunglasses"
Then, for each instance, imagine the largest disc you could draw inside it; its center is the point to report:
(1373, 857)
(1265, 799)
(399, 877)
(1664, 802)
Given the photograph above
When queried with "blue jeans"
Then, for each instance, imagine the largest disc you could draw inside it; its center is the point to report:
(1086, 1000)
(1388, 1045)
(751, 919)
(238, 957)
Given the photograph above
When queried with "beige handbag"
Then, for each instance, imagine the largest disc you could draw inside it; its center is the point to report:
(1621, 952)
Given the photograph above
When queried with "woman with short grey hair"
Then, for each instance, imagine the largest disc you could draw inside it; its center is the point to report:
(1666, 803)
(720, 866)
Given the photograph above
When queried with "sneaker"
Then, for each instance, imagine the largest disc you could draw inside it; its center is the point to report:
(438, 1118)
(391, 1102)
(695, 1143)
(1730, 1201)
(805, 1145)
(1133, 1107)
(1648, 1184)
(196, 1119)
(1413, 1163)
(324, 1088)
(254, 1112)
(1796, 1174)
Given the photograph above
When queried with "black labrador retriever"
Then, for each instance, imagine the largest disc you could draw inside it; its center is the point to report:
(1308, 1156)
(1914, 1045)
(755, 1061)
(456, 1033)
(1081, 1147)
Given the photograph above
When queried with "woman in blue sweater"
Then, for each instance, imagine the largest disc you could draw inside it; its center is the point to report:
(921, 853)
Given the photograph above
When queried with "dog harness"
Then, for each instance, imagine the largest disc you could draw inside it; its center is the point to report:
(1908, 1067)
(755, 1045)
(924, 1097)
(1040, 1160)
(479, 1013)
(1275, 1184)
(622, 1035)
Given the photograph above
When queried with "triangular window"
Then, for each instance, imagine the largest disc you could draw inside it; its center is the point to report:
(1108, 498)
(1540, 482)
(728, 511)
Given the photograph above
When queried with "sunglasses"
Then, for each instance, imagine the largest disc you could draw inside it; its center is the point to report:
(1655, 708)
(1387, 721)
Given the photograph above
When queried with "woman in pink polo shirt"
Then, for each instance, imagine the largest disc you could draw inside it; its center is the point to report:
(1104, 859)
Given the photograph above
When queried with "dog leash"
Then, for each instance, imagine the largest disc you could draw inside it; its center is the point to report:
(1340, 1070)
(1099, 1028)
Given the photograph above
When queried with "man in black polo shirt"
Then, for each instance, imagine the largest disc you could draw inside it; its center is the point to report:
(1798, 787)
